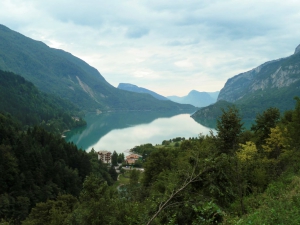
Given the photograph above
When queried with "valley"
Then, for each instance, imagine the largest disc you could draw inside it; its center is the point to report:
(225, 157)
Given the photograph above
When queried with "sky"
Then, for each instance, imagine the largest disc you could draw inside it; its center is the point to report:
(170, 47)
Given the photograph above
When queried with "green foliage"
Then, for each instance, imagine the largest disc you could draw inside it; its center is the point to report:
(121, 158)
(208, 213)
(144, 150)
(36, 166)
(113, 173)
(26, 103)
(159, 160)
(263, 123)
(229, 128)
(294, 126)
(56, 211)
(280, 204)
(114, 159)
(214, 179)
(98, 204)
(134, 177)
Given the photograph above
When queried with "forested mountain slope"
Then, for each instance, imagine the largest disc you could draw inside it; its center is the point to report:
(58, 72)
(37, 166)
(25, 102)
(272, 84)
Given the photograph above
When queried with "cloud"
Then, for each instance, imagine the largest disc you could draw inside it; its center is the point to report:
(168, 46)
(136, 32)
(184, 64)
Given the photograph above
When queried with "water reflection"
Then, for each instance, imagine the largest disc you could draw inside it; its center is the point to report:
(123, 130)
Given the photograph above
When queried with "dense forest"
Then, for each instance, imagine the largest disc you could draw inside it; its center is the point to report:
(235, 176)
(26, 103)
(37, 166)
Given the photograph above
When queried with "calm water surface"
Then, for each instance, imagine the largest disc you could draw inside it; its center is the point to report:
(121, 131)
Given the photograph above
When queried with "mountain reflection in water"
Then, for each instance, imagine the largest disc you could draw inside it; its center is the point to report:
(121, 131)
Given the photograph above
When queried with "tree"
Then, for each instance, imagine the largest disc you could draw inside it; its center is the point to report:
(114, 159)
(294, 126)
(263, 123)
(276, 142)
(229, 128)
(134, 177)
(173, 187)
(53, 211)
(98, 204)
(121, 158)
(113, 173)
(159, 160)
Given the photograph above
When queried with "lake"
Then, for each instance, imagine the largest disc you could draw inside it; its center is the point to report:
(121, 131)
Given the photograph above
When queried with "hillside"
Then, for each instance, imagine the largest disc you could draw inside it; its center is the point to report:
(22, 100)
(37, 166)
(58, 72)
(272, 84)
(236, 176)
(134, 88)
(196, 98)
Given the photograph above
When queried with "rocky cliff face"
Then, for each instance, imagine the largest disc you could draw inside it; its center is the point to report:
(275, 75)
(297, 50)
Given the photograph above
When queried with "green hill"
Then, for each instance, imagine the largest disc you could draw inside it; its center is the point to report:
(58, 72)
(26, 103)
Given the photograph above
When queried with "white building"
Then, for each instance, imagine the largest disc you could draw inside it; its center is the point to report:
(104, 156)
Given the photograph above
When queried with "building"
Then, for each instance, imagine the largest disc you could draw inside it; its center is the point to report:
(130, 159)
(104, 156)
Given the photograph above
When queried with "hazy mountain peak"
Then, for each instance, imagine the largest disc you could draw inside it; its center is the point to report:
(196, 98)
(126, 85)
(195, 92)
(137, 89)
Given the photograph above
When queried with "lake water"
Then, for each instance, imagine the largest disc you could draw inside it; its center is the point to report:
(121, 131)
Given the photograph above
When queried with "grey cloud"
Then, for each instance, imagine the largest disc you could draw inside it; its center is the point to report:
(136, 32)
(218, 37)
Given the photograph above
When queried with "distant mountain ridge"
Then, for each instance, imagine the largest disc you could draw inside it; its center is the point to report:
(135, 88)
(58, 72)
(272, 84)
(196, 98)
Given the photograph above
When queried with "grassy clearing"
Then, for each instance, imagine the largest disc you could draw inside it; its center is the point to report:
(170, 145)
(124, 179)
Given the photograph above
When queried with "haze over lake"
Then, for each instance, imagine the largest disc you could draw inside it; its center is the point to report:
(121, 131)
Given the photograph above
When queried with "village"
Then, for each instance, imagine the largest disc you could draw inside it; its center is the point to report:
(129, 162)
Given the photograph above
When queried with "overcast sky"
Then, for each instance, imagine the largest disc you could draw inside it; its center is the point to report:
(170, 47)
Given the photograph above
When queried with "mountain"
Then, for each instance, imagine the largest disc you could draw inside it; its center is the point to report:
(214, 95)
(58, 72)
(272, 84)
(22, 100)
(196, 98)
(134, 88)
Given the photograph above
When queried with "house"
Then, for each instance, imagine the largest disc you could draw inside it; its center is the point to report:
(104, 156)
(130, 159)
